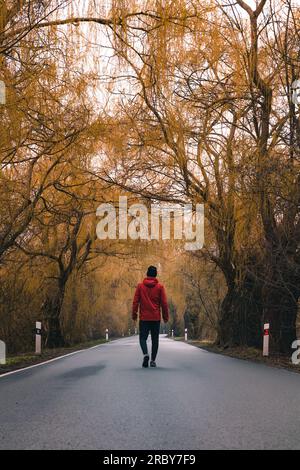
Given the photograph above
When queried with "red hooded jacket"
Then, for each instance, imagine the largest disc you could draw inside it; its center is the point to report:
(150, 296)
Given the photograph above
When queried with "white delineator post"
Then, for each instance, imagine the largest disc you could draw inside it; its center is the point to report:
(266, 339)
(2, 353)
(172, 333)
(106, 334)
(185, 334)
(38, 337)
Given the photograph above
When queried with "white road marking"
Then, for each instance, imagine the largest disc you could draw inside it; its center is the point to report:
(50, 360)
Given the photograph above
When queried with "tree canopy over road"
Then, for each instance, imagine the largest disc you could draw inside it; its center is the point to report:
(162, 101)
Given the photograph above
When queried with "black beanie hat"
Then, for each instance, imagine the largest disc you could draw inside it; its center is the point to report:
(152, 271)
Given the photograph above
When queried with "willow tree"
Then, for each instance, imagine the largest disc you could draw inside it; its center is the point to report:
(210, 119)
(62, 231)
(43, 120)
(271, 67)
(205, 115)
(36, 40)
(37, 122)
(180, 128)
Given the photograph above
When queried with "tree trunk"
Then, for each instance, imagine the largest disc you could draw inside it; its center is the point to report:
(52, 312)
(281, 308)
(55, 337)
(241, 315)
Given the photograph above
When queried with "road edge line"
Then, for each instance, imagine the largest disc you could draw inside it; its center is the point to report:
(50, 360)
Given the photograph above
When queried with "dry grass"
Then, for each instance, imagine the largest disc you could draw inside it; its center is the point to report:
(248, 354)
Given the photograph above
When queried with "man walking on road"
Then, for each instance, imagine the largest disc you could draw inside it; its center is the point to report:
(150, 298)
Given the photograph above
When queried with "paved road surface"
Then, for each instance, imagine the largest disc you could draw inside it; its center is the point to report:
(102, 399)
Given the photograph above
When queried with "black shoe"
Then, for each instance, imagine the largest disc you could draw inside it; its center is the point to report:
(152, 364)
(146, 361)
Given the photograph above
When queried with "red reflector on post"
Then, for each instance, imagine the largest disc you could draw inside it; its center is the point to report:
(266, 339)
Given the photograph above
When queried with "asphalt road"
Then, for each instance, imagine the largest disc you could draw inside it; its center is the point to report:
(102, 399)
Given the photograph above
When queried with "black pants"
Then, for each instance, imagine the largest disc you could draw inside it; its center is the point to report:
(153, 327)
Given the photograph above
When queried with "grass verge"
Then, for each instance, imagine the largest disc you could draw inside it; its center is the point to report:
(247, 354)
